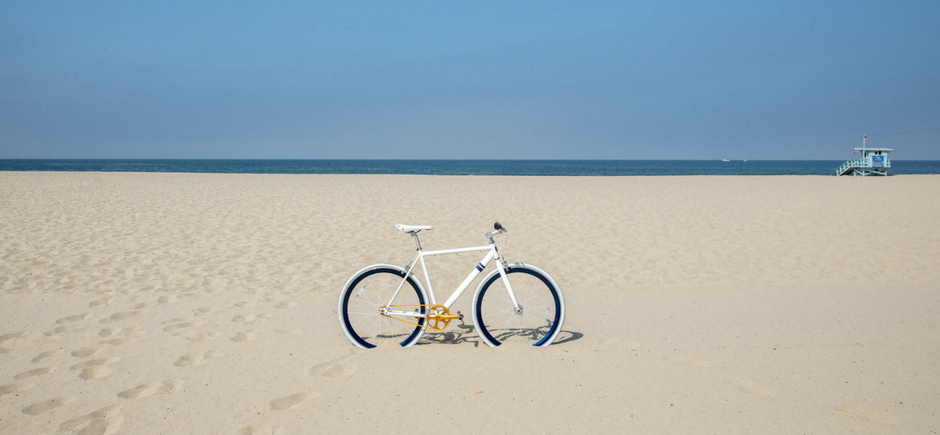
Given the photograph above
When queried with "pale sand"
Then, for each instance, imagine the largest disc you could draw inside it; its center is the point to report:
(203, 304)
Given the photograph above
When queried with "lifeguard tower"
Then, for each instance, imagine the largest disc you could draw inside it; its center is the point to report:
(874, 161)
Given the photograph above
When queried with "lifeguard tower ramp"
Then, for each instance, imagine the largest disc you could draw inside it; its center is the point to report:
(874, 161)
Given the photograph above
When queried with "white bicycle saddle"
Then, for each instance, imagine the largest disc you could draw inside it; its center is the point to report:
(412, 228)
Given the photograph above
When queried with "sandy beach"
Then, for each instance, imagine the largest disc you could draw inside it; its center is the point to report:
(141, 303)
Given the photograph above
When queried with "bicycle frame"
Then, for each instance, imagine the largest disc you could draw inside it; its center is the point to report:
(492, 254)
(507, 306)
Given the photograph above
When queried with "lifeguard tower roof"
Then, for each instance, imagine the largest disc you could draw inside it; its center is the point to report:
(884, 150)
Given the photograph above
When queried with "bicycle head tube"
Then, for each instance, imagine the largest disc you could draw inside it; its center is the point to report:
(497, 229)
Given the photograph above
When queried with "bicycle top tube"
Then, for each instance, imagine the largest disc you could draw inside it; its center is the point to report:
(456, 251)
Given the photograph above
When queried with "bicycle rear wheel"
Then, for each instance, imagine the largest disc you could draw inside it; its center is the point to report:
(359, 306)
(537, 320)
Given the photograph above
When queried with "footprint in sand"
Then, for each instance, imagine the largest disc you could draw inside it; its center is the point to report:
(104, 421)
(337, 370)
(335, 367)
(123, 332)
(688, 362)
(869, 414)
(48, 405)
(196, 360)
(62, 330)
(75, 318)
(142, 390)
(143, 305)
(260, 430)
(243, 318)
(94, 372)
(244, 304)
(94, 363)
(45, 336)
(34, 372)
(122, 336)
(170, 386)
(94, 369)
(288, 331)
(176, 320)
(205, 310)
(167, 299)
(180, 326)
(107, 332)
(244, 336)
(24, 342)
(198, 336)
(100, 302)
(87, 351)
(292, 400)
(620, 343)
(751, 387)
(285, 305)
(250, 319)
(11, 336)
(117, 317)
(14, 388)
(118, 341)
(135, 331)
(276, 297)
(18, 344)
(42, 356)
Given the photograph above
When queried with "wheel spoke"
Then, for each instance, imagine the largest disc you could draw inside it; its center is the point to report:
(498, 316)
(365, 325)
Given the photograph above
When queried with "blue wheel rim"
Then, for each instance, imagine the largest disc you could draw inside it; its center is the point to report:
(479, 305)
(356, 282)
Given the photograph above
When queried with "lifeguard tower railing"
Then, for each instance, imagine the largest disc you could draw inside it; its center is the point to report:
(874, 161)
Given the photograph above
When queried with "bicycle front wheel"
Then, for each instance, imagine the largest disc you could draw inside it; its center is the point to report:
(537, 319)
(371, 289)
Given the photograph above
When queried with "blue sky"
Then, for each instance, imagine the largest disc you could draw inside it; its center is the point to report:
(465, 80)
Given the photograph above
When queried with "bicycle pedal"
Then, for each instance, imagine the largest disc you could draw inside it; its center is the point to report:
(460, 318)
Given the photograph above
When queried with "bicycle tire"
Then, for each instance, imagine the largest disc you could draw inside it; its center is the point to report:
(360, 300)
(542, 313)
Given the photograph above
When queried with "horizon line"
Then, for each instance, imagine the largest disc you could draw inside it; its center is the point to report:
(446, 159)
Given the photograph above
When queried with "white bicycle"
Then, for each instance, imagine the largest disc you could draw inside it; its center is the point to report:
(386, 305)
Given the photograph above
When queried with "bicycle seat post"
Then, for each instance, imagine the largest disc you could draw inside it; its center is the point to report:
(417, 242)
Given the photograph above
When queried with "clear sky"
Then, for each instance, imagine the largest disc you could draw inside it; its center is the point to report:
(469, 80)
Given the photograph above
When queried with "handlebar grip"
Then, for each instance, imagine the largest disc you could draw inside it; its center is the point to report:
(497, 226)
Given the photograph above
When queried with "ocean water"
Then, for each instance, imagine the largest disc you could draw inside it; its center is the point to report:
(465, 167)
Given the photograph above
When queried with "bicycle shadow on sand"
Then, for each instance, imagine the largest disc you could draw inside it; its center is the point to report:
(465, 334)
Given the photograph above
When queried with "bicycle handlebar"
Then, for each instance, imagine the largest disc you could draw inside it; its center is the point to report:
(498, 229)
